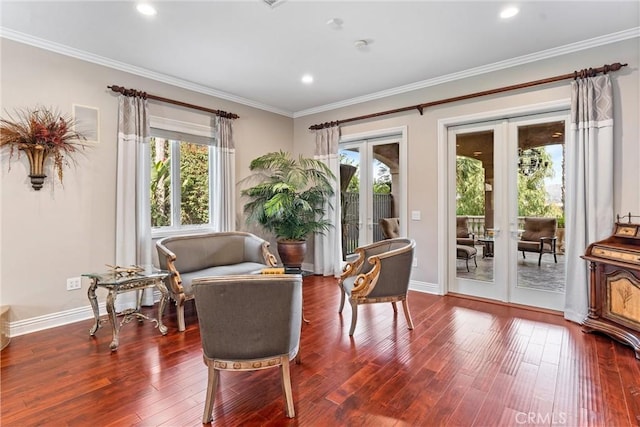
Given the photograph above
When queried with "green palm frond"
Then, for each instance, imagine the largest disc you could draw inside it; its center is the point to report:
(289, 195)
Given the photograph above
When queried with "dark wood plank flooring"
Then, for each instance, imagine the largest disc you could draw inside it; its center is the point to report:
(467, 363)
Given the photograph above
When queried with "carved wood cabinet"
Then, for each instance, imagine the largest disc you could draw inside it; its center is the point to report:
(614, 291)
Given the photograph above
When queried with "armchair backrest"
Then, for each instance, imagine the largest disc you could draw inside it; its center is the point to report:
(250, 316)
(396, 258)
(200, 251)
(535, 228)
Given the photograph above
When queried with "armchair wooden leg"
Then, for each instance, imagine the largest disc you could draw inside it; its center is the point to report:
(180, 312)
(286, 387)
(395, 308)
(341, 300)
(212, 385)
(354, 317)
(407, 314)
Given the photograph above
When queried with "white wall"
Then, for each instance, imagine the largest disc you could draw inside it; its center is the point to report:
(423, 138)
(65, 230)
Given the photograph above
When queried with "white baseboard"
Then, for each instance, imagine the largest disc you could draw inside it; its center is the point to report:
(35, 324)
(427, 288)
(47, 321)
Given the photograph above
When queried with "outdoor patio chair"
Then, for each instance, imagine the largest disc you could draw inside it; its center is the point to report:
(463, 236)
(390, 227)
(539, 236)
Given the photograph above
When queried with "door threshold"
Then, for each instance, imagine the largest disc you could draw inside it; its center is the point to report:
(507, 304)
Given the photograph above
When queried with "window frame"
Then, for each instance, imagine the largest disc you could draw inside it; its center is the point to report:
(176, 132)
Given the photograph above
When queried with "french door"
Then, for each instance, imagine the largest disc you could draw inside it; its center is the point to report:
(371, 188)
(501, 174)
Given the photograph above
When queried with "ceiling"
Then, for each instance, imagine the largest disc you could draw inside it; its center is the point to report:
(249, 52)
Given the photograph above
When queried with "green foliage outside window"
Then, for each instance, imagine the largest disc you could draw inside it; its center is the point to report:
(160, 185)
(532, 194)
(381, 181)
(194, 184)
(194, 178)
(469, 186)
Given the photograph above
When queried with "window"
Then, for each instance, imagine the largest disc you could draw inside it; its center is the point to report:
(181, 177)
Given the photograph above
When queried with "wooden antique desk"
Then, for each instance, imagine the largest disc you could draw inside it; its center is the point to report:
(614, 297)
(121, 280)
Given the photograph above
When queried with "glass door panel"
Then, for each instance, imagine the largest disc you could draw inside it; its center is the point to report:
(384, 164)
(474, 241)
(537, 224)
(506, 186)
(370, 189)
(350, 179)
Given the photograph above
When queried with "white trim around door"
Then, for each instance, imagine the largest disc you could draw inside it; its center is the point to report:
(445, 226)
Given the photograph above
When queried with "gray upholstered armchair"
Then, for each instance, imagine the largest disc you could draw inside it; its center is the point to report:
(209, 254)
(463, 236)
(249, 322)
(539, 236)
(380, 273)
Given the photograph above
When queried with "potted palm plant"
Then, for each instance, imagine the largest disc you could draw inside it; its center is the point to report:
(288, 199)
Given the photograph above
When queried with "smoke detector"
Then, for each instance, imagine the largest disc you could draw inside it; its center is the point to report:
(273, 3)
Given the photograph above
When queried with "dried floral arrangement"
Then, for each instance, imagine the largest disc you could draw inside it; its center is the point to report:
(40, 132)
(118, 271)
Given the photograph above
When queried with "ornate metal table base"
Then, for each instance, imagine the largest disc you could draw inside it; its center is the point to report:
(116, 284)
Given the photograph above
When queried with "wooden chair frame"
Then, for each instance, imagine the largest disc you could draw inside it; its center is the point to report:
(365, 283)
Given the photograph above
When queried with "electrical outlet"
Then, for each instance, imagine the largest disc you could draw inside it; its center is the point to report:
(74, 283)
(415, 261)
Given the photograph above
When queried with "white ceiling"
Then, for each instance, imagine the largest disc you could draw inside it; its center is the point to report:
(248, 52)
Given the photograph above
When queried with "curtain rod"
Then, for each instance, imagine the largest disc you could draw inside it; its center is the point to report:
(134, 92)
(590, 72)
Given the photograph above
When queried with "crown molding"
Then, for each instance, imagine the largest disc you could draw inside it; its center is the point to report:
(496, 66)
(501, 65)
(139, 71)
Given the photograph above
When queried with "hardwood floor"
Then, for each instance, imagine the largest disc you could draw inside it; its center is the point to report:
(466, 363)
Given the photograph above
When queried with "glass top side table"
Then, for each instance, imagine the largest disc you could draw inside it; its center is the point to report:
(120, 280)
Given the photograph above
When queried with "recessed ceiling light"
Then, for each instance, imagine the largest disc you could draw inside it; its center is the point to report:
(509, 12)
(273, 3)
(361, 44)
(307, 79)
(146, 9)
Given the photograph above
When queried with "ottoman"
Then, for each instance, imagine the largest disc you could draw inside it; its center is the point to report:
(466, 253)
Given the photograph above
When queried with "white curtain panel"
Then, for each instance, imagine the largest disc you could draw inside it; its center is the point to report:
(327, 258)
(133, 211)
(224, 208)
(589, 211)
